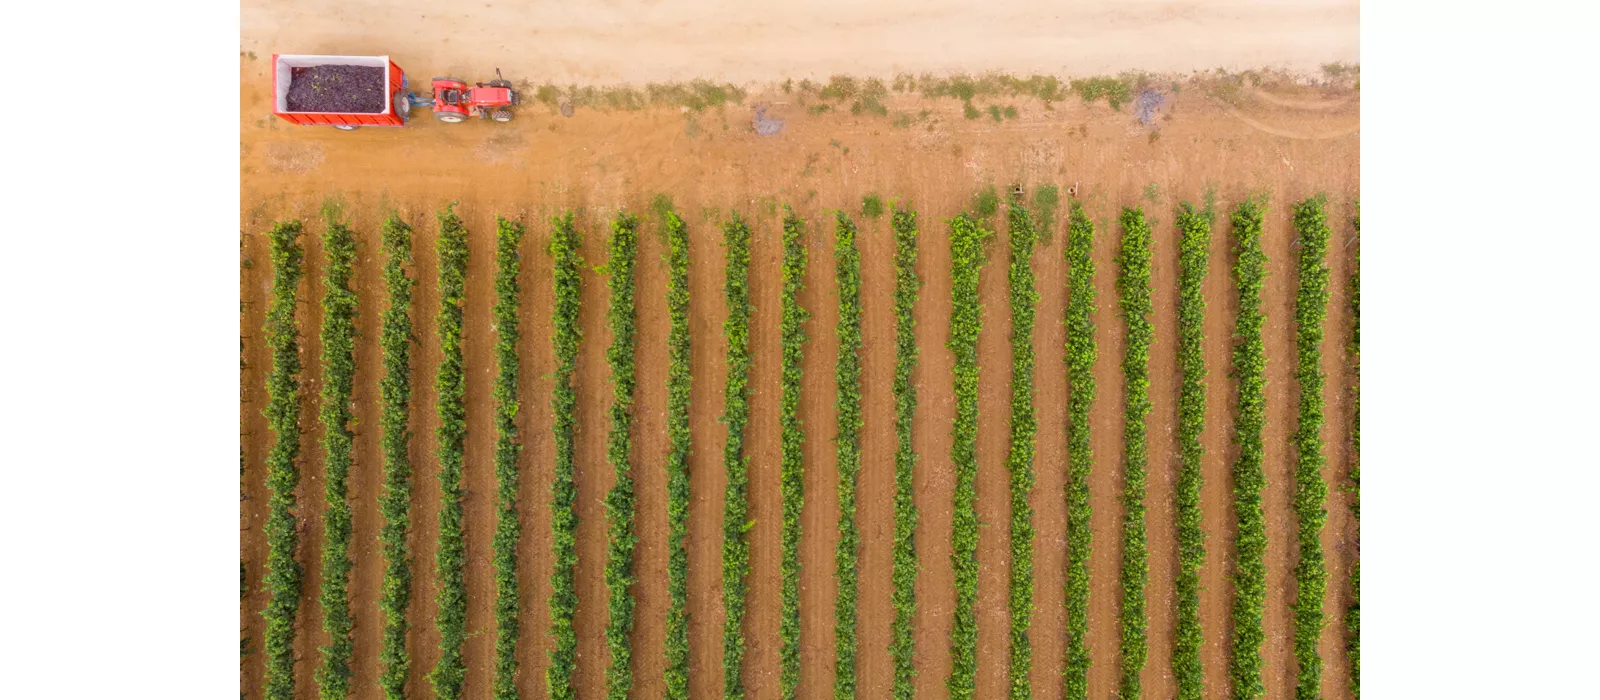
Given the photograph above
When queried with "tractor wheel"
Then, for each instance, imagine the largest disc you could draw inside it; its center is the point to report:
(500, 83)
(501, 115)
(345, 127)
(450, 117)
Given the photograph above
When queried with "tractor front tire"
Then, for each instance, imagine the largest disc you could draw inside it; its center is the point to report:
(501, 115)
(449, 117)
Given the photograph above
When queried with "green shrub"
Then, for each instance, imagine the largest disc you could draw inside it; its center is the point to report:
(967, 257)
(507, 450)
(902, 641)
(1352, 615)
(619, 502)
(1194, 250)
(449, 675)
(338, 444)
(847, 379)
(1249, 370)
(1019, 461)
(564, 244)
(1080, 358)
(1133, 286)
(678, 384)
(395, 419)
(1310, 491)
(791, 454)
(736, 413)
(283, 572)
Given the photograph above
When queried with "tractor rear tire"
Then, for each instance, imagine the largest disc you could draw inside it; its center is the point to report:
(500, 83)
(501, 115)
(450, 117)
(345, 127)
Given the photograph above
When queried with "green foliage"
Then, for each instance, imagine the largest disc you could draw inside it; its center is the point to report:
(1310, 491)
(678, 383)
(1249, 370)
(872, 206)
(1046, 199)
(619, 501)
(394, 419)
(847, 378)
(283, 572)
(507, 450)
(902, 642)
(985, 203)
(791, 454)
(1133, 286)
(1081, 355)
(449, 675)
(969, 111)
(1019, 461)
(1194, 246)
(736, 413)
(1352, 616)
(1115, 90)
(967, 257)
(564, 244)
(338, 444)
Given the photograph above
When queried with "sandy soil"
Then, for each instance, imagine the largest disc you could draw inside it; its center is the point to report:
(661, 40)
(599, 161)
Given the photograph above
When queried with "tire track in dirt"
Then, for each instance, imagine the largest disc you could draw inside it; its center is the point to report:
(593, 474)
(1217, 514)
(1160, 506)
(707, 480)
(761, 448)
(479, 483)
(366, 474)
(423, 639)
(538, 454)
(255, 279)
(934, 477)
(1049, 502)
(875, 487)
(819, 519)
(993, 482)
(1105, 476)
(649, 453)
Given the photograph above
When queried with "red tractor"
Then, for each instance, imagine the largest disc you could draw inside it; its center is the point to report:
(347, 92)
(453, 101)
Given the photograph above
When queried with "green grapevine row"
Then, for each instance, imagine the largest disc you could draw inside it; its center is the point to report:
(967, 256)
(450, 673)
(1311, 577)
(1019, 461)
(793, 437)
(1249, 370)
(1194, 249)
(619, 502)
(394, 418)
(283, 573)
(1133, 283)
(564, 244)
(1352, 616)
(507, 449)
(1081, 356)
(338, 443)
(736, 413)
(847, 377)
(677, 673)
(902, 642)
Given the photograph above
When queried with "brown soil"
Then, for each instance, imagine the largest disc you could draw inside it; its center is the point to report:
(994, 480)
(650, 447)
(875, 486)
(819, 520)
(1216, 492)
(538, 454)
(600, 161)
(1048, 633)
(1162, 444)
(365, 486)
(762, 434)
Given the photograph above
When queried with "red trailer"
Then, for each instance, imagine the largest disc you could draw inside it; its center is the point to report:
(452, 100)
(283, 66)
